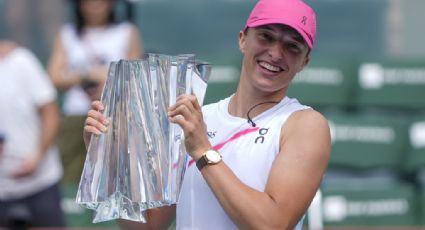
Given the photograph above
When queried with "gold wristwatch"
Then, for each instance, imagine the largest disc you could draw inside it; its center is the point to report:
(210, 157)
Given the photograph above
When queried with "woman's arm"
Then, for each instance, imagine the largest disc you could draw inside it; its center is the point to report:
(57, 68)
(135, 47)
(293, 180)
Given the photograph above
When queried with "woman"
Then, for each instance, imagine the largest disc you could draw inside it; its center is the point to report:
(78, 68)
(264, 165)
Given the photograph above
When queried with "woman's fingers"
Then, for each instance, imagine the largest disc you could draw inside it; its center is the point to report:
(183, 110)
(187, 113)
(95, 126)
(96, 115)
(97, 105)
(189, 101)
(92, 129)
(96, 122)
(181, 121)
(181, 116)
(194, 101)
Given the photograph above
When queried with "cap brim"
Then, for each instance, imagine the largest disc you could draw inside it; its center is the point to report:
(303, 34)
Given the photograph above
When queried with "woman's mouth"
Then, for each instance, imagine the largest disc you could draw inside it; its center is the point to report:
(269, 67)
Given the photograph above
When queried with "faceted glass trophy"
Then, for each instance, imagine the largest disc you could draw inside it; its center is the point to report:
(139, 163)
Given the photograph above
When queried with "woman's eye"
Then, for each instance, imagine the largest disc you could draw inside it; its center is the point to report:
(266, 37)
(294, 48)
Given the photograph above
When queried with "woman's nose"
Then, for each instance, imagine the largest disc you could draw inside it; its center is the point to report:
(276, 51)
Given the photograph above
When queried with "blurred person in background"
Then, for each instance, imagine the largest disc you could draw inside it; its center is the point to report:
(265, 161)
(78, 67)
(30, 167)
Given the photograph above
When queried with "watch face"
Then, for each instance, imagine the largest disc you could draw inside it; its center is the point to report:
(213, 156)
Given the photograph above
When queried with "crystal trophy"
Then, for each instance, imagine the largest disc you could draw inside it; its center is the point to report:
(139, 162)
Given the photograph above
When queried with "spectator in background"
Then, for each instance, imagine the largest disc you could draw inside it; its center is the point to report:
(30, 167)
(78, 67)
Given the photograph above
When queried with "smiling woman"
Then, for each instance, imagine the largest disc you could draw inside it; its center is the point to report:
(265, 161)
(276, 53)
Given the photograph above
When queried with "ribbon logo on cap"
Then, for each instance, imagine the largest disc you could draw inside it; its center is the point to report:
(304, 21)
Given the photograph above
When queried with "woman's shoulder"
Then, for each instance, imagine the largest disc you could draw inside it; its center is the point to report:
(125, 25)
(307, 119)
(67, 31)
(68, 27)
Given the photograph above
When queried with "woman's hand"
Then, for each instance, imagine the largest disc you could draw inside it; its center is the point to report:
(95, 79)
(187, 113)
(95, 122)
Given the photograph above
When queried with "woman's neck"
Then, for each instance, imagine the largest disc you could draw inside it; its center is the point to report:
(96, 26)
(242, 102)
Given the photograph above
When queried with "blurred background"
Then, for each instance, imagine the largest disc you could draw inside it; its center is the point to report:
(367, 75)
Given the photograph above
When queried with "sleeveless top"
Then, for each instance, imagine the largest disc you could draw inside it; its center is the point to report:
(249, 152)
(96, 46)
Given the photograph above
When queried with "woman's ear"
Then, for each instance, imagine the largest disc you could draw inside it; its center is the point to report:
(242, 38)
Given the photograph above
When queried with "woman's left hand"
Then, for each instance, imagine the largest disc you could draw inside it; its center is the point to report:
(187, 113)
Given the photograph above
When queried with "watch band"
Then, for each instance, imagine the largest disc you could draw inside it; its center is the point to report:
(202, 162)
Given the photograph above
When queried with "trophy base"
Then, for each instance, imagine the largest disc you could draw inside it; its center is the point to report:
(117, 206)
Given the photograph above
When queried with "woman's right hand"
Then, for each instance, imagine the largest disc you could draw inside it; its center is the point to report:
(95, 122)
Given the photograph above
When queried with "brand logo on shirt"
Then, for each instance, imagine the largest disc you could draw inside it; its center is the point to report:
(261, 132)
(177, 138)
(211, 134)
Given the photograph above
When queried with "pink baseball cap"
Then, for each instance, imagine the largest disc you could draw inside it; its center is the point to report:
(293, 13)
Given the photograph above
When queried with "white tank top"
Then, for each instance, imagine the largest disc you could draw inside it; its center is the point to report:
(98, 46)
(249, 151)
